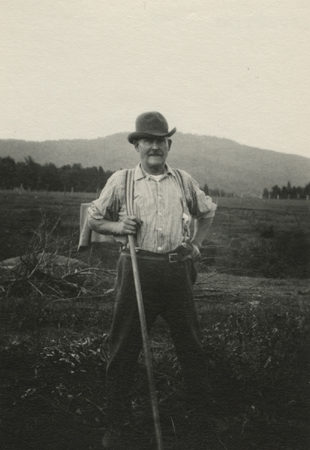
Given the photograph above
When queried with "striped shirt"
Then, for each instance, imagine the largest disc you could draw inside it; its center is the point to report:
(158, 203)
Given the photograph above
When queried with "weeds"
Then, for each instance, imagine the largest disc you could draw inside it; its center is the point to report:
(257, 367)
(273, 255)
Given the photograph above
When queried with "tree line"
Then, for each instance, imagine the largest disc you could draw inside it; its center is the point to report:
(31, 175)
(287, 192)
(36, 177)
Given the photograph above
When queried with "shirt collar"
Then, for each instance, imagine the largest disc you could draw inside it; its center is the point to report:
(139, 172)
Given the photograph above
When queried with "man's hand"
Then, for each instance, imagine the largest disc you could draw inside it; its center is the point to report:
(189, 250)
(196, 255)
(128, 225)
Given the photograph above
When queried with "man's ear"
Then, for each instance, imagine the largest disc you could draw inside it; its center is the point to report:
(136, 145)
(169, 144)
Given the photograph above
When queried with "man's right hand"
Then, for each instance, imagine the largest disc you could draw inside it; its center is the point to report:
(128, 225)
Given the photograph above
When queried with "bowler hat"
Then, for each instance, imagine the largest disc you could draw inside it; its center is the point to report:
(150, 124)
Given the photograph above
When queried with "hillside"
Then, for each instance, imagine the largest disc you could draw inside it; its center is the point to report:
(221, 163)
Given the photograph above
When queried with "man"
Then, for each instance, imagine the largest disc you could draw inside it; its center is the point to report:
(164, 201)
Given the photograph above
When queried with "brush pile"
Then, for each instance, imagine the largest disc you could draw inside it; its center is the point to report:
(44, 276)
(53, 277)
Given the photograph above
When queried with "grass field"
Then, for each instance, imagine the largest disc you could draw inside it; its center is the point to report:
(252, 297)
(249, 236)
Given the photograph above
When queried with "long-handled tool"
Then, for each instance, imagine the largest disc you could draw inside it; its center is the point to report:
(146, 344)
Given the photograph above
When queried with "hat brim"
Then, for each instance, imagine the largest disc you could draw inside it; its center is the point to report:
(137, 135)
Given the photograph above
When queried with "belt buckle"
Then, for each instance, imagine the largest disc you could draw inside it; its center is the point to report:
(173, 257)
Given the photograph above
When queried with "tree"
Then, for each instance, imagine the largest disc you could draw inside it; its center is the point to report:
(7, 173)
(275, 191)
(50, 179)
(265, 193)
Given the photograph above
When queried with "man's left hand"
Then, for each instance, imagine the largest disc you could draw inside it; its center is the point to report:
(195, 254)
(189, 251)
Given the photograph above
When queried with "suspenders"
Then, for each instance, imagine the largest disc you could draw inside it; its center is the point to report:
(129, 191)
(180, 181)
(130, 186)
(129, 197)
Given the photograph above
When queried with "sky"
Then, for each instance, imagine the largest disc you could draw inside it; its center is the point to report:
(237, 69)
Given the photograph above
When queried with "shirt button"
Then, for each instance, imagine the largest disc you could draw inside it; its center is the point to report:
(159, 248)
(160, 214)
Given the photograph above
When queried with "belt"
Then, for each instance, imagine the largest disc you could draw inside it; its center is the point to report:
(170, 257)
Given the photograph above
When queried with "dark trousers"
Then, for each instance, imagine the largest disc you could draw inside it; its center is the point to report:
(167, 291)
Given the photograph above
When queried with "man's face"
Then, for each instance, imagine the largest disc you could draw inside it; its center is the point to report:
(153, 153)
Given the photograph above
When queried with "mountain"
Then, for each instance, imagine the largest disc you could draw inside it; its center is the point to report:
(221, 163)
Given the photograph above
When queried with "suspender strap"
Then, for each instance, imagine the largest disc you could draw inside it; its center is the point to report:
(180, 182)
(191, 202)
(129, 191)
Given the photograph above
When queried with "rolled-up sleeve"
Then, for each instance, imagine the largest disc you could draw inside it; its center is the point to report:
(209, 207)
(107, 206)
(202, 205)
